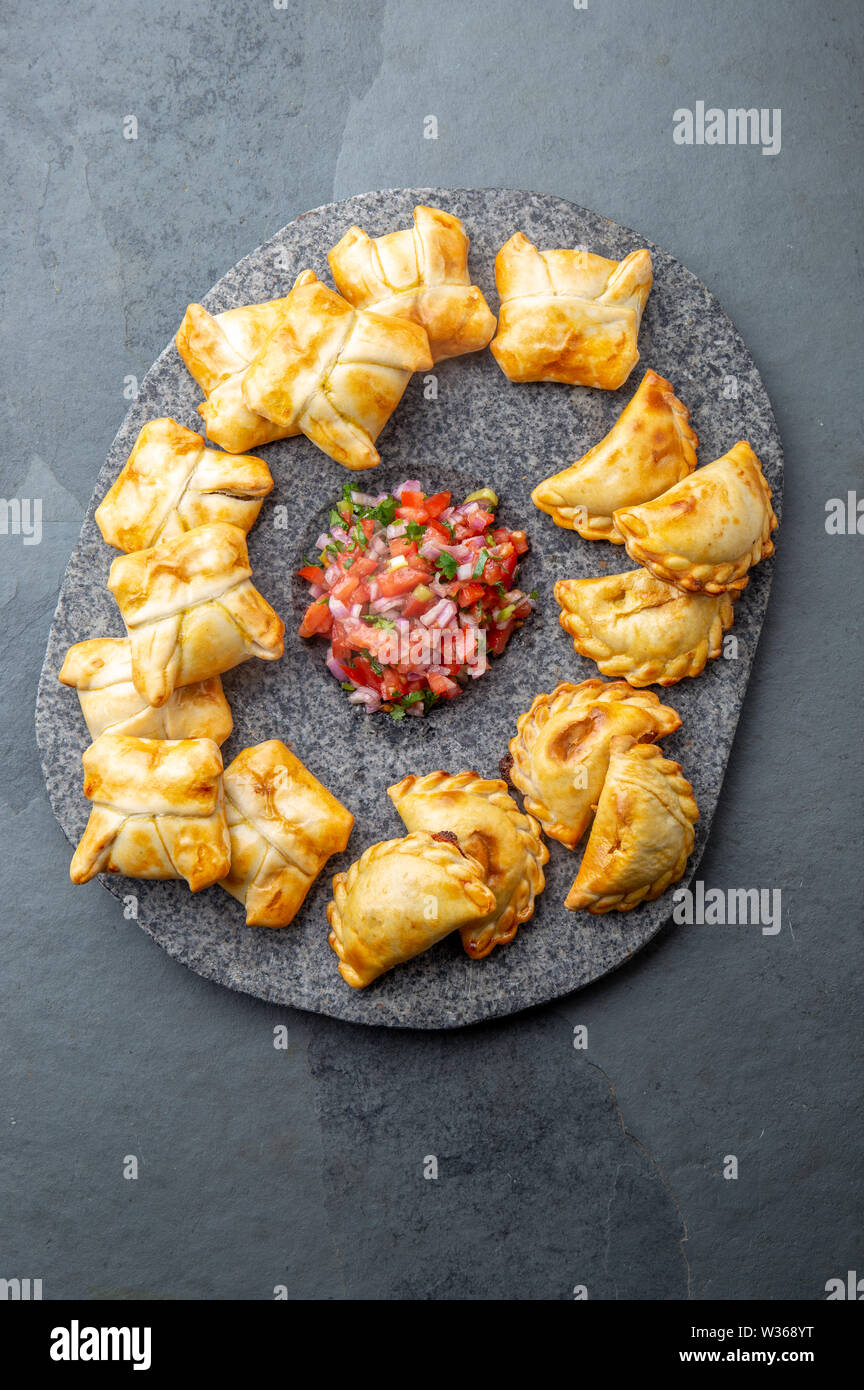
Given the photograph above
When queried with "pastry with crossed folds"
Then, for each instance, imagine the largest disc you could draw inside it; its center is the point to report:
(157, 811)
(490, 827)
(706, 532)
(649, 448)
(191, 610)
(569, 315)
(284, 826)
(101, 671)
(334, 373)
(560, 753)
(217, 349)
(420, 273)
(642, 834)
(172, 482)
(639, 627)
(400, 898)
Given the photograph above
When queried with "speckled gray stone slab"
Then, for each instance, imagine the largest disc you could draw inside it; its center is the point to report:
(479, 430)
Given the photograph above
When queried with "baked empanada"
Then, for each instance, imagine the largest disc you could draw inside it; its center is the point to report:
(650, 447)
(490, 827)
(157, 811)
(217, 349)
(706, 531)
(172, 482)
(400, 898)
(284, 826)
(569, 315)
(561, 749)
(636, 626)
(642, 834)
(191, 610)
(421, 274)
(334, 373)
(101, 671)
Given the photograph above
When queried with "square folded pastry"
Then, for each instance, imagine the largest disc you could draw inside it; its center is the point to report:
(101, 671)
(217, 349)
(191, 610)
(284, 826)
(421, 274)
(157, 811)
(334, 373)
(569, 315)
(172, 482)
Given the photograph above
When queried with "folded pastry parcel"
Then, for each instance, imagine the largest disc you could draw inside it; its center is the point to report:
(649, 448)
(157, 811)
(284, 826)
(101, 671)
(400, 898)
(172, 482)
(191, 610)
(569, 315)
(419, 273)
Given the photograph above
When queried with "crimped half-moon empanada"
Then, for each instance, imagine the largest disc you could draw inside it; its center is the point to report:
(569, 315)
(650, 447)
(636, 626)
(706, 531)
(101, 671)
(157, 811)
(490, 827)
(560, 752)
(642, 834)
(191, 610)
(284, 826)
(400, 898)
(171, 482)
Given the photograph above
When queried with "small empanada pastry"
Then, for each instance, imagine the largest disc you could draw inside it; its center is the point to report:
(217, 349)
(490, 827)
(157, 811)
(421, 274)
(636, 626)
(561, 750)
(400, 898)
(650, 447)
(334, 373)
(642, 834)
(706, 531)
(569, 315)
(101, 671)
(284, 826)
(172, 482)
(191, 610)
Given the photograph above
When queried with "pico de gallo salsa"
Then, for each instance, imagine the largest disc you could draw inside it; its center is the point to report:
(414, 593)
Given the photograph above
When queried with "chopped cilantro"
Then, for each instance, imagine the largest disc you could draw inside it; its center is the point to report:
(348, 685)
(534, 594)
(377, 621)
(447, 565)
(385, 511)
(450, 527)
(373, 661)
(477, 572)
(413, 530)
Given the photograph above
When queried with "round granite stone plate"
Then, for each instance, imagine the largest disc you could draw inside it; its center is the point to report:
(462, 427)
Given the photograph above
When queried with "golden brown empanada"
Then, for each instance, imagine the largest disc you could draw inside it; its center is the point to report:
(636, 626)
(561, 750)
(172, 482)
(284, 826)
(191, 610)
(334, 373)
(642, 834)
(421, 274)
(490, 827)
(400, 898)
(217, 349)
(650, 447)
(706, 531)
(569, 315)
(157, 811)
(101, 671)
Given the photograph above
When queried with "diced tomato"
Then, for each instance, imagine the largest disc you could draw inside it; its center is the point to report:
(363, 566)
(400, 581)
(442, 685)
(364, 673)
(481, 520)
(362, 593)
(392, 684)
(313, 573)
(344, 588)
(317, 618)
(470, 593)
(434, 505)
(497, 640)
(410, 498)
(440, 531)
(520, 541)
(400, 545)
(417, 514)
(415, 606)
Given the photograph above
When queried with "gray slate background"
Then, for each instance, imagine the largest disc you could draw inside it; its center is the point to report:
(303, 1166)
